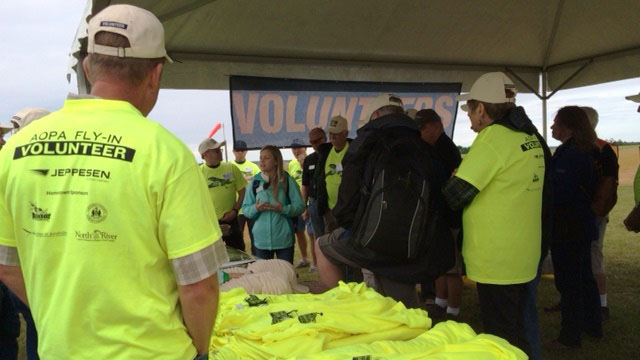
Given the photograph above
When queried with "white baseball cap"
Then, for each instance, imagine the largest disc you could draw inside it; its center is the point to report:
(208, 144)
(490, 88)
(337, 124)
(25, 116)
(143, 30)
(385, 100)
(634, 98)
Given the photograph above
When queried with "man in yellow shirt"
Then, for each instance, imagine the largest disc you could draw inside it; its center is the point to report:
(248, 169)
(226, 189)
(329, 164)
(98, 233)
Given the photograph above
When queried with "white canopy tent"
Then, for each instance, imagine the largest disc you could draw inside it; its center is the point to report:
(544, 45)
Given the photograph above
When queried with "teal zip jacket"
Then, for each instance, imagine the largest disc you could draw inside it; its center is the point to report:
(272, 230)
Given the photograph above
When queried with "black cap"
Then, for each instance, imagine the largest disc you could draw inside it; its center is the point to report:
(240, 146)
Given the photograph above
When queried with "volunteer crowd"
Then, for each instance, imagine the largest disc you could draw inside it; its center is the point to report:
(157, 218)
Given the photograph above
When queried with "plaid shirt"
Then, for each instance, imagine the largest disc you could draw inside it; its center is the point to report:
(458, 193)
(188, 269)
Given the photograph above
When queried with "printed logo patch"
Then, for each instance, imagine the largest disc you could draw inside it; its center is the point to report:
(96, 213)
(114, 24)
(39, 214)
(95, 235)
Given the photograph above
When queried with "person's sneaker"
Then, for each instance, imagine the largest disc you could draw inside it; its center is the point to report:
(604, 313)
(553, 308)
(302, 263)
(313, 268)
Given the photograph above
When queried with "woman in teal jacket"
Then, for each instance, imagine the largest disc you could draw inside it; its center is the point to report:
(272, 215)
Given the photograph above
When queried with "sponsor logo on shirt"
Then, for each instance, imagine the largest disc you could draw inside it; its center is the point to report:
(96, 213)
(90, 173)
(334, 170)
(67, 192)
(39, 214)
(45, 234)
(95, 235)
(215, 182)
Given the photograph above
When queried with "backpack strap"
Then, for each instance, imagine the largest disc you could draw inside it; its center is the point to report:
(256, 184)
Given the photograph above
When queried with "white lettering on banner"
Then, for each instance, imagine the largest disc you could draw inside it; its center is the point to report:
(365, 102)
(245, 117)
(424, 102)
(340, 108)
(445, 115)
(409, 102)
(324, 111)
(311, 113)
(278, 113)
(292, 125)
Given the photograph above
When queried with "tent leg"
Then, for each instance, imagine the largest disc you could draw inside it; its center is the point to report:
(544, 105)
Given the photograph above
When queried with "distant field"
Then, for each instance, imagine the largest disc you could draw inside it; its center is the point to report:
(628, 158)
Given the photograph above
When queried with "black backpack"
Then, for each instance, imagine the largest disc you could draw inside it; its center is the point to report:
(397, 213)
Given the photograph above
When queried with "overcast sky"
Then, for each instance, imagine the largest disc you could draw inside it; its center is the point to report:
(37, 38)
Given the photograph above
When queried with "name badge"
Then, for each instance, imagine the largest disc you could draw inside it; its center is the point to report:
(311, 167)
(339, 167)
(227, 176)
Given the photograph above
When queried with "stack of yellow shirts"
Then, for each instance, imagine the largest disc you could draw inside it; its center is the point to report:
(348, 321)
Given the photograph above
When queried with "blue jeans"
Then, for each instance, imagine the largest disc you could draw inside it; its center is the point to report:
(531, 322)
(282, 254)
(9, 326)
(317, 222)
(32, 335)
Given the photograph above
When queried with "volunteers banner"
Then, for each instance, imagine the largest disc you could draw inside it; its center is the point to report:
(271, 111)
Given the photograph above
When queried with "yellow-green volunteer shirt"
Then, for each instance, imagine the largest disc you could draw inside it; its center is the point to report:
(502, 225)
(98, 200)
(224, 182)
(333, 174)
(247, 168)
(295, 170)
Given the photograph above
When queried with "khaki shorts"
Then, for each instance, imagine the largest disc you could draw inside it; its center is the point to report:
(330, 245)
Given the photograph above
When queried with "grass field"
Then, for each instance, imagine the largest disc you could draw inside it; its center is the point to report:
(622, 255)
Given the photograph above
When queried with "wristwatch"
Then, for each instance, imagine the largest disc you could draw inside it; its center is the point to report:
(204, 356)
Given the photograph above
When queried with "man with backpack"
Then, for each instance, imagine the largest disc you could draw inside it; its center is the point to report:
(386, 210)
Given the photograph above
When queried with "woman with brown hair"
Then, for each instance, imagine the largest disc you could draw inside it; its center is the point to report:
(272, 199)
(574, 179)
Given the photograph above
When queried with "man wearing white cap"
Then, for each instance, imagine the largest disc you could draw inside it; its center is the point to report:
(226, 188)
(632, 222)
(105, 223)
(340, 251)
(499, 185)
(328, 174)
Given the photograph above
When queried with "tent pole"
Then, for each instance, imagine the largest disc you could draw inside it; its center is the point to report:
(544, 105)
